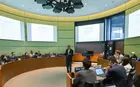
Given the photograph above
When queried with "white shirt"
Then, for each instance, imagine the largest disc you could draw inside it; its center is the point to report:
(31, 55)
(68, 50)
(127, 67)
(119, 58)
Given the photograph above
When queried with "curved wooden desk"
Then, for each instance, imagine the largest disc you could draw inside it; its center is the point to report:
(13, 69)
(79, 57)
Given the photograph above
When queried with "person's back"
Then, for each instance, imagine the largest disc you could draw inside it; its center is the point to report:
(116, 75)
(126, 65)
(85, 75)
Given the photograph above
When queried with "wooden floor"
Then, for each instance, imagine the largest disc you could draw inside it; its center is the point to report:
(47, 77)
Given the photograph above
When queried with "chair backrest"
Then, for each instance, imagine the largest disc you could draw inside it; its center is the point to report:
(97, 84)
(89, 84)
(130, 77)
(134, 63)
(111, 86)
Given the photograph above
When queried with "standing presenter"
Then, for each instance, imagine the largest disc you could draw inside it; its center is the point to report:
(69, 54)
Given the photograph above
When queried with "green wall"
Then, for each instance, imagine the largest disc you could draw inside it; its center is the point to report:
(65, 36)
(132, 44)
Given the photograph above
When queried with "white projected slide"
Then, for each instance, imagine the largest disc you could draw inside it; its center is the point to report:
(134, 24)
(87, 33)
(11, 29)
(40, 32)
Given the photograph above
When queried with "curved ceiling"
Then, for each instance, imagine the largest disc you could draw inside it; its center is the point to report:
(90, 7)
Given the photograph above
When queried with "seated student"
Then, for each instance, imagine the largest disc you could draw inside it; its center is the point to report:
(136, 80)
(133, 56)
(116, 74)
(13, 57)
(39, 54)
(85, 75)
(118, 56)
(8, 58)
(4, 59)
(53, 55)
(126, 55)
(26, 56)
(35, 56)
(126, 64)
(31, 54)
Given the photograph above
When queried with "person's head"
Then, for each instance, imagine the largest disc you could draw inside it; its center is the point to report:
(126, 55)
(25, 53)
(136, 80)
(36, 53)
(68, 47)
(31, 52)
(112, 60)
(12, 53)
(86, 63)
(2, 56)
(125, 61)
(117, 52)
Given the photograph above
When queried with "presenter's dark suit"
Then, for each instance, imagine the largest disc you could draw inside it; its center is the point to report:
(69, 54)
(116, 76)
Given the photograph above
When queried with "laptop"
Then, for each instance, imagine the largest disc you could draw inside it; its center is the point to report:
(99, 72)
(77, 69)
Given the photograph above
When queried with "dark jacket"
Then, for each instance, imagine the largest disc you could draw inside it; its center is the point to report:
(69, 54)
(34, 56)
(116, 75)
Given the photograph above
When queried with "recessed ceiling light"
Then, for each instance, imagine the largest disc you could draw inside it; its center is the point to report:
(22, 5)
(105, 5)
(85, 3)
(37, 9)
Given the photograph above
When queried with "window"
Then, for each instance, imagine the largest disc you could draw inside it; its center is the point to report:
(11, 29)
(88, 33)
(40, 32)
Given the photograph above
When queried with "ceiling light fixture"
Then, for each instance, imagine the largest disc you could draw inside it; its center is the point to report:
(85, 3)
(22, 5)
(58, 6)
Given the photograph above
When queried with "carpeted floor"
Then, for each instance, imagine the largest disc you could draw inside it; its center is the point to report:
(48, 77)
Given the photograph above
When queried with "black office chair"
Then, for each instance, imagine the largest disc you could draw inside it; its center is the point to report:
(98, 84)
(130, 77)
(89, 84)
(133, 63)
